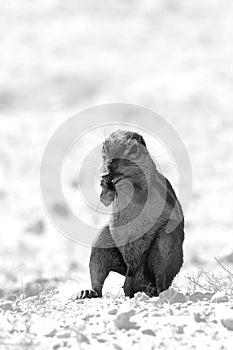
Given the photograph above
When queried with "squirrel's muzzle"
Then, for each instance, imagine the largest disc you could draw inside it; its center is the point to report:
(111, 175)
(108, 190)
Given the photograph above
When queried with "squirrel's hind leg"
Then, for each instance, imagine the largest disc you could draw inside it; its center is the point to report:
(165, 257)
(140, 281)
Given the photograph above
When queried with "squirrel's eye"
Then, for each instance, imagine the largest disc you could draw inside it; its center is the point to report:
(133, 149)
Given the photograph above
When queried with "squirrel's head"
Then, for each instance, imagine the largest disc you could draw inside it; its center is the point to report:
(125, 156)
(123, 144)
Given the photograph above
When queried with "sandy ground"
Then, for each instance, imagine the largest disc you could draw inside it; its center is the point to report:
(172, 321)
(57, 58)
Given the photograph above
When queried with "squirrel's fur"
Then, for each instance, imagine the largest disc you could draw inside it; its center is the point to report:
(143, 239)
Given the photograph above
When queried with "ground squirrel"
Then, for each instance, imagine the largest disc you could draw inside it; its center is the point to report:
(143, 239)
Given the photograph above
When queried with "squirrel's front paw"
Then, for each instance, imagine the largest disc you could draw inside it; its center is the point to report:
(86, 293)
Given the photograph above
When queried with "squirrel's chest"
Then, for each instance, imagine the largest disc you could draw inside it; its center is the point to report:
(133, 237)
(135, 221)
(134, 228)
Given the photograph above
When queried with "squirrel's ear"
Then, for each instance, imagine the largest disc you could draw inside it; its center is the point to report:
(142, 141)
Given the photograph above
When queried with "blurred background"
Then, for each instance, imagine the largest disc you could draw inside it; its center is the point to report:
(58, 58)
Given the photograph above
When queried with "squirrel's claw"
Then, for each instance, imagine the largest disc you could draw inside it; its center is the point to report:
(86, 294)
